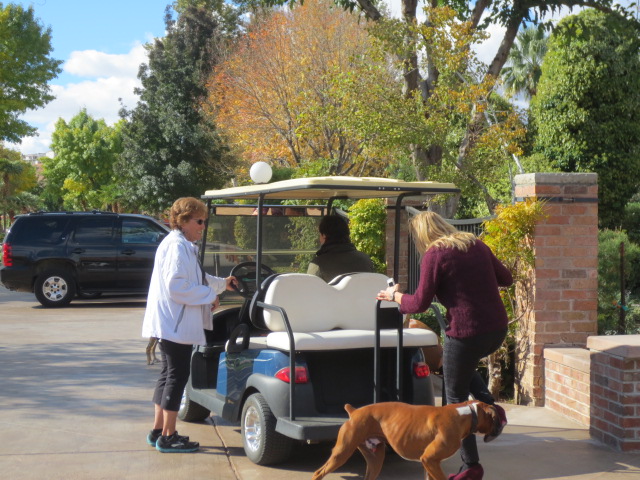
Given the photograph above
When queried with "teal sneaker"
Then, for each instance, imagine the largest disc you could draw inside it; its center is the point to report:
(176, 444)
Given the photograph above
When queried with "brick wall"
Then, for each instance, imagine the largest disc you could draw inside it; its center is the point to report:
(615, 391)
(568, 383)
(563, 311)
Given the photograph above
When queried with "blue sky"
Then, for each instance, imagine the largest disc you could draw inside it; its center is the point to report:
(112, 27)
(101, 45)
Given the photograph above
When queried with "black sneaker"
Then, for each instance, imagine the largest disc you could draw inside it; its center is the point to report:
(156, 433)
(153, 436)
(176, 443)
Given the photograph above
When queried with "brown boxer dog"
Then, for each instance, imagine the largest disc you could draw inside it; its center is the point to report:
(416, 432)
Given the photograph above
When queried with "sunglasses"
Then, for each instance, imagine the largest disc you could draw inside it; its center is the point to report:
(200, 221)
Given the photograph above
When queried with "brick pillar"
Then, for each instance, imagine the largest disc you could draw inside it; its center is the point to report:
(564, 283)
(403, 264)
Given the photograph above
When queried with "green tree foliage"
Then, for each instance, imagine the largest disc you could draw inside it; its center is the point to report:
(587, 110)
(631, 222)
(227, 14)
(524, 67)
(17, 178)
(81, 175)
(420, 56)
(170, 147)
(25, 69)
(367, 222)
(609, 282)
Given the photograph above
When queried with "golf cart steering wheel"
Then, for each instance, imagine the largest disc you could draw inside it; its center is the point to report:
(246, 273)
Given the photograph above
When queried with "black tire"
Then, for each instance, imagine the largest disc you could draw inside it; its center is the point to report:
(262, 444)
(89, 295)
(191, 411)
(55, 288)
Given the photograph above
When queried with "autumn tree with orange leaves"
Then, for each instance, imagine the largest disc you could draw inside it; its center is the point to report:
(275, 99)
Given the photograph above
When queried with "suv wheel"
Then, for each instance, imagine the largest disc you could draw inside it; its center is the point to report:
(55, 288)
(262, 444)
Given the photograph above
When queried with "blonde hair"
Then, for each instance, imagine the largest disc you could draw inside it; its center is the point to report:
(430, 230)
(184, 209)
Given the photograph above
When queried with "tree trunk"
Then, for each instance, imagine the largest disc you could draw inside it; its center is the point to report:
(494, 368)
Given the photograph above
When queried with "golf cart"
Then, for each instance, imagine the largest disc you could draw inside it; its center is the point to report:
(286, 356)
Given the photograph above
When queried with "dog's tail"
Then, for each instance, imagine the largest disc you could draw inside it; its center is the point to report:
(349, 409)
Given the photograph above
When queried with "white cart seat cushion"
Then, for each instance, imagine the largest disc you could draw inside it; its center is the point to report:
(312, 305)
(350, 339)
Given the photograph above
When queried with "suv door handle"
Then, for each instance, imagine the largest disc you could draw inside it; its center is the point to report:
(128, 251)
(78, 250)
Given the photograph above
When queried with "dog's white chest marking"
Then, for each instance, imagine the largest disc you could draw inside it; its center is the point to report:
(372, 443)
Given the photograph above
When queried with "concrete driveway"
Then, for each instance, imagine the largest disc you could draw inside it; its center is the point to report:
(75, 404)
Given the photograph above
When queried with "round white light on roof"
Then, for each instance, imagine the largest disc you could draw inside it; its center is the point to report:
(260, 172)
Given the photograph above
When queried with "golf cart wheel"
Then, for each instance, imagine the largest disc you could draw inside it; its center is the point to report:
(55, 288)
(191, 411)
(262, 444)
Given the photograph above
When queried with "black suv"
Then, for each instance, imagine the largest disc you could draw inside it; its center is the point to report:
(63, 254)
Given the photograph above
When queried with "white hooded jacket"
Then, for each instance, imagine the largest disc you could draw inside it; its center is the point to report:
(178, 304)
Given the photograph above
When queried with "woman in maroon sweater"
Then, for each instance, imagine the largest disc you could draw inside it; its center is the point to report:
(464, 275)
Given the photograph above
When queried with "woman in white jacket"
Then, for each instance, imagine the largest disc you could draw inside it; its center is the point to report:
(178, 310)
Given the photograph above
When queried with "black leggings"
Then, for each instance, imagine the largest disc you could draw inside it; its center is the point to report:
(176, 358)
(461, 377)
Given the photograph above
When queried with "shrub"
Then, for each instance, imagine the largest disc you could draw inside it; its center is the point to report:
(609, 301)
(367, 221)
(510, 237)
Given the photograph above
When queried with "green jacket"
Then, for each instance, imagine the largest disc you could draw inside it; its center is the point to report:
(339, 258)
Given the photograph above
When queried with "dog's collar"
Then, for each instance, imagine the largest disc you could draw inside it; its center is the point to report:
(474, 417)
(472, 409)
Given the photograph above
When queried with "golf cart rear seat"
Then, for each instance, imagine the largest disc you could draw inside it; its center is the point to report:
(331, 316)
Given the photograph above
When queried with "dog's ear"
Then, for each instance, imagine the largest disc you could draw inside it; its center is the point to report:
(499, 418)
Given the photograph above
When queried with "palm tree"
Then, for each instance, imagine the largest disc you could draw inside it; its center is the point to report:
(523, 68)
(9, 169)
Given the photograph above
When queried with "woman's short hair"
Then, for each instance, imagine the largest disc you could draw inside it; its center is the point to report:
(431, 230)
(335, 228)
(184, 209)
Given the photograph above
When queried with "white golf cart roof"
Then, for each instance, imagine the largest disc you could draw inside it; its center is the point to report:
(316, 188)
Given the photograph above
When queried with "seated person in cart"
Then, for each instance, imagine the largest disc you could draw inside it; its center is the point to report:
(337, 255)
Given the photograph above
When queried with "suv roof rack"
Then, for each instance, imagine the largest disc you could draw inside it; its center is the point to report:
(64, 212)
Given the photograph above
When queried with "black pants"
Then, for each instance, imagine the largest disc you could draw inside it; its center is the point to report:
(461, 377)
(176, 359)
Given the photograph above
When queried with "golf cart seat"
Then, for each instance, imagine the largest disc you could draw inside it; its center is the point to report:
(332, 317)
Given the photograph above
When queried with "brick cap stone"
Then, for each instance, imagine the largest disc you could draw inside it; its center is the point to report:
(625, 346)
(576, 358)
(556, 179)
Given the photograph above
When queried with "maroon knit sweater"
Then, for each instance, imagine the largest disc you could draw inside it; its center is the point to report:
(466, 283)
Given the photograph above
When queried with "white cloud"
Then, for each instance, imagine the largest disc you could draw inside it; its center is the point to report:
(487, 50)
(108, 78)
(92, 64)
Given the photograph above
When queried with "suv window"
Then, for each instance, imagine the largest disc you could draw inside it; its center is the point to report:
(135, 231)
(39, 230)
(94, 231)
